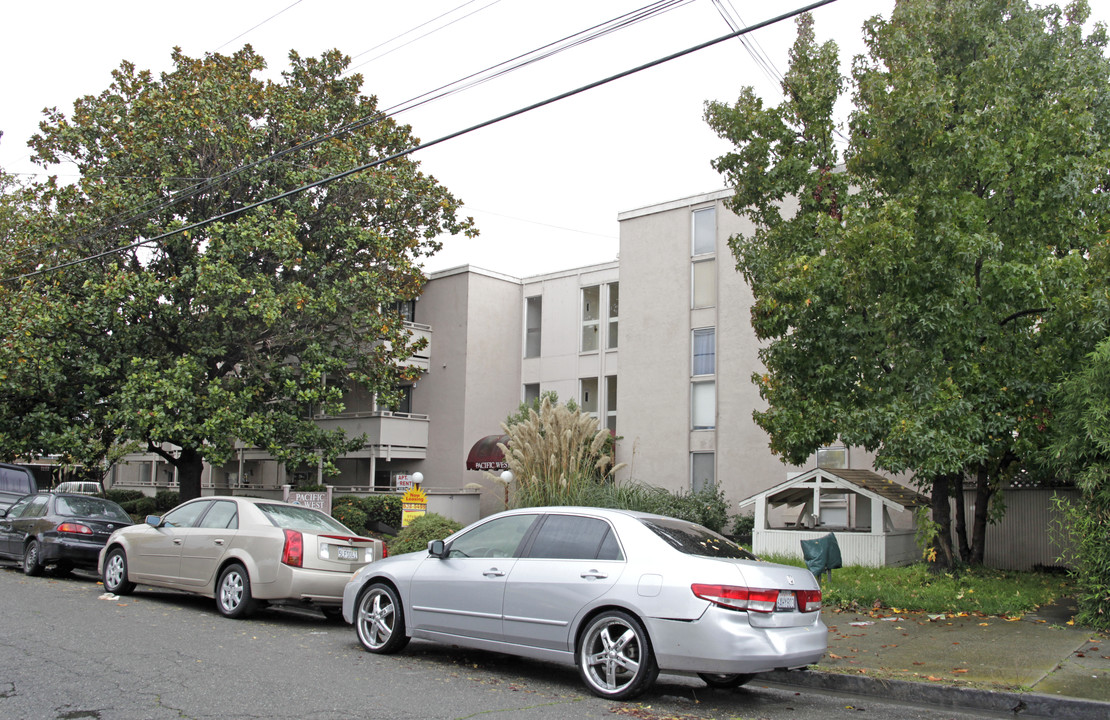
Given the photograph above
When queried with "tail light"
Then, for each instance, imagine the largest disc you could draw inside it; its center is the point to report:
(75, 528)
(385, 551)
(734, 597)
(293, 552)
(808, 600)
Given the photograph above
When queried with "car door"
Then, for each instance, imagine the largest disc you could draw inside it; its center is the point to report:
(24, 524)
(205, 544)
(569, 562)
(463, 593)
(10, 546)
(155, 555)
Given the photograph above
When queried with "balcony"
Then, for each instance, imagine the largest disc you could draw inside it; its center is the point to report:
(389, 435)
(421, 358)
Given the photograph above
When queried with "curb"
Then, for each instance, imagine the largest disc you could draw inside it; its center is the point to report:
(947, 696)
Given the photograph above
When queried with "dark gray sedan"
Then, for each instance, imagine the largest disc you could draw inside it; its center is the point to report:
(60, 529)
(622, 595)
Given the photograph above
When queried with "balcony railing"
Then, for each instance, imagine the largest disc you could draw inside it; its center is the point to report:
(387, 433)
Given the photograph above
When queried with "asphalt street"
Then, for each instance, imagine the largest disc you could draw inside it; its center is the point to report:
(68, 651)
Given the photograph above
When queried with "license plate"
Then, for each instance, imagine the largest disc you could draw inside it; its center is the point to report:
(786, 601)
(349, 553)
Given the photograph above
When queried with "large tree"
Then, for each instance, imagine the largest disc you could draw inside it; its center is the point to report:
(923, 299)
(236, 330)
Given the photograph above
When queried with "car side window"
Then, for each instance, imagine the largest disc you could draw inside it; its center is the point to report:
(494, 539)
(20, 505)
(185, 515)
(224, 515)
(573, 537)
(37, 507)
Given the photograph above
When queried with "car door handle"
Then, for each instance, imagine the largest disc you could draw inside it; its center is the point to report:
(493, 572)
(177, 541)
(219, 541)
(593, 575)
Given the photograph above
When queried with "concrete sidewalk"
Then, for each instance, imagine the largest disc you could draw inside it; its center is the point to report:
(1039, 665)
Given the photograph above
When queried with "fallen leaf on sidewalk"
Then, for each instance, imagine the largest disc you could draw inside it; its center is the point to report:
(960, 670)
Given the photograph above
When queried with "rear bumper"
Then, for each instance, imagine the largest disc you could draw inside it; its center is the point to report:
(320, 587)
(79, 552)
(723, 641)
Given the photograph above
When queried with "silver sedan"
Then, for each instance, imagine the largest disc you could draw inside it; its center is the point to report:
(622, 595)
(240, 551)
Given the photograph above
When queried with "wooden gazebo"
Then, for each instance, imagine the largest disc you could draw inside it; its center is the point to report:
(870, 515)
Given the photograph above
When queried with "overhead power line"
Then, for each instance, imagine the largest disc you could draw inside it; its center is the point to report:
(431, 143)
(490, 73)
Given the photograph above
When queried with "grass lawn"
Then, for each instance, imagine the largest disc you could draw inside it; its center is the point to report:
(915, 587)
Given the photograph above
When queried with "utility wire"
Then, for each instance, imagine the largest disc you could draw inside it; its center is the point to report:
(570, 41)
(437, 141)
(252, 29)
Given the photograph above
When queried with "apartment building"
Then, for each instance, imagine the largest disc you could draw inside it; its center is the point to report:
(656, 344)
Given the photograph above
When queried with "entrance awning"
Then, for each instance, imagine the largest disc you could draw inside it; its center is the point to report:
(485, 455)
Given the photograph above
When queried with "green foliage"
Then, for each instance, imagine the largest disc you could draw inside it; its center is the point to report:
(1081, 451)
(228, 330)
(743, 525)
(166, 500)
(312, 487)
(385, 509)
(123, 496)
(421, 531)
(351, 515)
(927, 314)
(139, 509)
(557, 455)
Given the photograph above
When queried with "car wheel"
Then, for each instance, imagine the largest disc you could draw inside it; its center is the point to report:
(32, 559)
(615, 658)
(380, 620)
(233, 593)
(725, 681)
(115, 573)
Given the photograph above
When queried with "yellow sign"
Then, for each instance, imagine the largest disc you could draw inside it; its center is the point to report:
(414, 504)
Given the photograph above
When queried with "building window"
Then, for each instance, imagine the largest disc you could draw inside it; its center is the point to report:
(705, 352)
(703, 475)
(832, 457)
(704, 281)
(404, 400)
(614, 314)
(533, 311)
(406, 309)
(587, 396)
(705, 231)
(703, 405)
(591, 301)
(611, 403)
(531, 393)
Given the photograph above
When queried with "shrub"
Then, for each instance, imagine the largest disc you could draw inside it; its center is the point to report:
(385, 509)
(743, 525)
(421, 531)
(142, 507)
(123, 496)
(166, 500)
(350, 515)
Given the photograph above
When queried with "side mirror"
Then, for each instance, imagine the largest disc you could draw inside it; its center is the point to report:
(154, 520)
(437, 549)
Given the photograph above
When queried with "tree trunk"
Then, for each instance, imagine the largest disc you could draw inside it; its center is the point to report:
(942, 516)
(961, 517)
(189, 465)
(983, 494)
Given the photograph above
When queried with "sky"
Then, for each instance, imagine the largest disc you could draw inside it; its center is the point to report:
(544, 187)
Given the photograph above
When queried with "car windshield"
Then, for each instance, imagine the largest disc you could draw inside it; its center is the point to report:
(90, 507)
(291, 517)
(691, 539)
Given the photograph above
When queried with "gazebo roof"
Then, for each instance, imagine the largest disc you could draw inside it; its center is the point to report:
(799, 489)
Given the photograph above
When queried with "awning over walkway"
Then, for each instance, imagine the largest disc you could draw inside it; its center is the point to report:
(485, 455)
